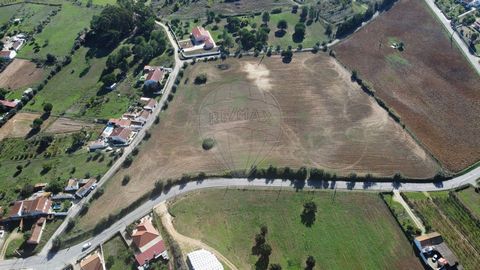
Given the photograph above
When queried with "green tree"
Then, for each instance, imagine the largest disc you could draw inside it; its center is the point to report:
(47, 108)
(37, 123)
(113, 24)
(109, 79)
(310, 263)
(282, 25)
(299, 33)
(265, 17)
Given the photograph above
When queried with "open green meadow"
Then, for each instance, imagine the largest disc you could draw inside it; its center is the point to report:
(471, 200)
(30, 14)
(7, 12)
(351, 230)
(60, 33)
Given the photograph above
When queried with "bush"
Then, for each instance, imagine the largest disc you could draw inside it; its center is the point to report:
(125, 180)
(208, 144)
(200, 79)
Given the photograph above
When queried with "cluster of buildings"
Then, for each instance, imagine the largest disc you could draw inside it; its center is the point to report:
(11, 45)
(121, 131)
(43, 206)
(153, 76)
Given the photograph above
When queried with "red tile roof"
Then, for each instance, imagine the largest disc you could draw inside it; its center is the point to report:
(120, 122)
(92, 262)
(144, 233)
(150, 253)
(5, 54)
(155, 75)
(123, 133)
(40, 205)
(8, 104)
(199, 33)
(37, 231)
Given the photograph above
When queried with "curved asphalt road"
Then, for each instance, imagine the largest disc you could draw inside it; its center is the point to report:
(47, 261)
(70, 255)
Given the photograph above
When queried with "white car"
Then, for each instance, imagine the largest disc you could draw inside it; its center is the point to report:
(86, 245)
(2, 233)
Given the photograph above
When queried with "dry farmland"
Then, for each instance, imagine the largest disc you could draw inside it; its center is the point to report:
(327, 122)
(429, 84)
(20, 73)
(19, 125)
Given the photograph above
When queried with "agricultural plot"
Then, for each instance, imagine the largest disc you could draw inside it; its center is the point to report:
(44, 158)
(315, 31)
(7, 12)
(327, 122)
(350, 231)
(446, 215)
(20, 74)
(31, 16)
(199, 8)
(428, 84)
(56, 38)
(471, 199)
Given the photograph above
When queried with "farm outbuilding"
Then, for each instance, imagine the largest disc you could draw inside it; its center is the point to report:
(203, 260)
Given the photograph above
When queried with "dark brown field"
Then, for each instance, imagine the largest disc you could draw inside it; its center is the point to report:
(327, 122)
(429, 85)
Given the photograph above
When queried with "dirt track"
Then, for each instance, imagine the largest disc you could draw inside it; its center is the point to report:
(187, 243)
(20, 73)
(429, 85)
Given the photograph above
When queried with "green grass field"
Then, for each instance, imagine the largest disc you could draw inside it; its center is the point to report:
(31, 15)
(20, 152)
(352, 231)
(7, 12)
(445, 215)
(122, 256)
(80, 78)
(471, 200)
(60, 32)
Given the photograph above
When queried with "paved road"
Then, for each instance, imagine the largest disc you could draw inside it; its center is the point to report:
(474, 61)
(56, 261)
(74, 211)
(47, 261)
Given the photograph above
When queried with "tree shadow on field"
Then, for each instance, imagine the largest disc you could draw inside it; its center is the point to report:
(280, 33)
(262, 263)
(308, 218)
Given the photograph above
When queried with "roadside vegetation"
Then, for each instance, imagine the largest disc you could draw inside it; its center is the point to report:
(117, 255)
(254, 228)
(445, 213)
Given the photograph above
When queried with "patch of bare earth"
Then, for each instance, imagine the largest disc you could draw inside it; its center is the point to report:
(429, 85)
(20, 73)
(67, 125)
(328, 122)
(19, 125)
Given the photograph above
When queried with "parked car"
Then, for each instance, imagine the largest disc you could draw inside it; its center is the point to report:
(2, 233)
(86, 245)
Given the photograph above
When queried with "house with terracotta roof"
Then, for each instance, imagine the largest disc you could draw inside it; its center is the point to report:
(148, 243)
(149, 104)
(9, 104)
(120, 135)
(86, 188)
(153, 76)
(38, 207)
(202, 36)
(37, 231)
(124, 123)
(7, 54)
(93, 262)
(143, 116)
